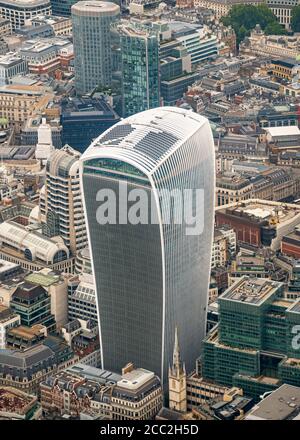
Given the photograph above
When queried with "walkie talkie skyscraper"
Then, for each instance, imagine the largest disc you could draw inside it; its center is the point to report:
(151, 275)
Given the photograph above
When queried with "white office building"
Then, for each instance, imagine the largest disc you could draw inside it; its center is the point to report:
(61, 199)
(20, 11)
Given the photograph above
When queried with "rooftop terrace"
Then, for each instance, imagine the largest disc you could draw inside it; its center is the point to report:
(252, 291)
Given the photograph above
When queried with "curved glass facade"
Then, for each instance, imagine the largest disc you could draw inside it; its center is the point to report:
(152, 277)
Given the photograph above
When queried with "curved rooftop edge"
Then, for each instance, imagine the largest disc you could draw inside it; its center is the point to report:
(94, 8)
(45, 248)
(24, 3)
(63, 162)
(147, 138)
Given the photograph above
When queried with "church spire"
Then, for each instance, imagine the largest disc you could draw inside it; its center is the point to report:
(176, 351)
(177, 367)
(177, 380)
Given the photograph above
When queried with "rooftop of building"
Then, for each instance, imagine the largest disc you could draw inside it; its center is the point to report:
(10, 59)
(72, 326)
(55, 343)
(43, 279)
(16, 89)
(49, 19)
(93, 373)
(28, 333)
(94, 8)
(28, 292)
(6, 314)
(15, 401)
(232, 181)
(26, 358)
(147, 137)
(289, 130)
(293, 237)
(15, 153)
(169, 414)
(180, 28)
(85, 292)
(255, 166)
(133, 29)
(73, 383)
(282, 303)
(11, 283)
(250, 260)
(282, 404)
(21, 236)
(38, 45)
(229, 410)
(252, 291)
(262, 210)
(213, 337)
(63, 162)
(86, 106)
(7, 265)
(135, 379)
(25, 3)
(285, 62)
(295, 307)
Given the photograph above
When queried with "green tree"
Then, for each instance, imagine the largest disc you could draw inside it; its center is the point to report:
(295, 19)
(242, 33)
(243, 18)
(274, 29)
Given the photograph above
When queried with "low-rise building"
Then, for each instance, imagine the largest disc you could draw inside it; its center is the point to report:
(45, 56)
(224, 246)
(83, 119)
(82, 302)
(272, 115)
(33, 250)
(253, 347)
(136, 395)
(281, 404)
(10, 66)
(251, 264)
(8, 320)
(281, 46)
(30, 129)
(26, 369)
(56, 284)
(259, 222)
(22, 337)
(283, 138)
(290, 244)
(62, 26)
(5, 27)
(18, 11)
(32, 303)
(222, 7)
(18, 405)
(231, 188)
(283, 68)
(19, 102)
(8, 270)
(83, 338)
